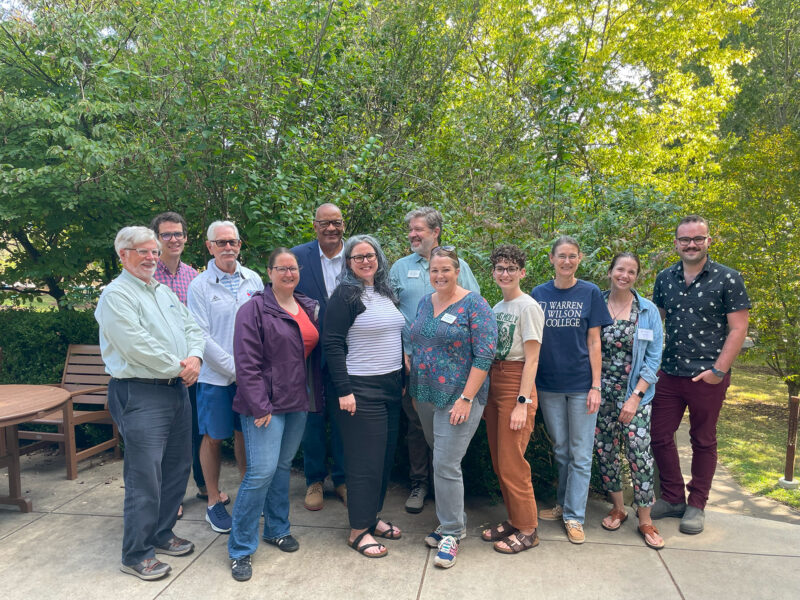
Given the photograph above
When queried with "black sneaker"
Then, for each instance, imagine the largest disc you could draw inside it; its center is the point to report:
(287, 543)
(176, 547)
(241, 569)
(148, 569)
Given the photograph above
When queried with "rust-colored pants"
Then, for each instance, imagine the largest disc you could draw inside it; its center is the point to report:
(508, 446)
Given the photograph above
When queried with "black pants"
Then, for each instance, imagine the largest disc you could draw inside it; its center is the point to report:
(369, 438)
(197, 469)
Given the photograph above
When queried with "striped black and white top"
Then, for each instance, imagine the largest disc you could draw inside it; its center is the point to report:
(374, 345)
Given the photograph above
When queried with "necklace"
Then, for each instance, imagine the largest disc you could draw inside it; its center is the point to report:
(620, 309)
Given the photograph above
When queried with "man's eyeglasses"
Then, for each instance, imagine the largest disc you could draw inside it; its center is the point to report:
(360, 258)
(510, 270)
(284, 270)
(167, 236)
(223, 243)
(698, 239)
(325, 224)
(145, 252)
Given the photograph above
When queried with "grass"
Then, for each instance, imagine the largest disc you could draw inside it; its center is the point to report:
(752, 431)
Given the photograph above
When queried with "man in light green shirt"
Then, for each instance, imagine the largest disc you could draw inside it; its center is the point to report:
(153, 349)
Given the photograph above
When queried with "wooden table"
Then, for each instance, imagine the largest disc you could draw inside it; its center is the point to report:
(20, 404)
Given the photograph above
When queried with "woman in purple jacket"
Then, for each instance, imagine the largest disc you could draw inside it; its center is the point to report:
(278, 382)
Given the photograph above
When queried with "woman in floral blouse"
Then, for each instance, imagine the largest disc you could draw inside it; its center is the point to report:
(631, 349)
(453, 343)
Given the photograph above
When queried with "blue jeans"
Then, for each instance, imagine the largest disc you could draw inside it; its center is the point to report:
(449, 443)
(315, 440)
(572, 432)
(265, 487)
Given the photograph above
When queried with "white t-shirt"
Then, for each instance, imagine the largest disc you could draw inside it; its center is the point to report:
(374, 345)
(518, 321)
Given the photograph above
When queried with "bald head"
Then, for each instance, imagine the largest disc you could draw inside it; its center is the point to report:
(329, 227)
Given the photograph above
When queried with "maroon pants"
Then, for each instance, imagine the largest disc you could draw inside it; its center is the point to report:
(704, 401)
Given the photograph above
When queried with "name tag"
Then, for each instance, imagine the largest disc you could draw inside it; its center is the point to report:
(414, 274)
(645, 334)
(449, 319)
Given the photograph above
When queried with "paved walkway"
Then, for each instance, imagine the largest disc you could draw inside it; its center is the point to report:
(69, 548)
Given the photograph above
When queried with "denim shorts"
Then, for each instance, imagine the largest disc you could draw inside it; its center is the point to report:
(215, 415)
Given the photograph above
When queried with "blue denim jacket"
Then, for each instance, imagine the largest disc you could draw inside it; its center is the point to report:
(646, 353)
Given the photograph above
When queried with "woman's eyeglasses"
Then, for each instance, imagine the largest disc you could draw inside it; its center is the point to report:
(284, 270)
(510, 270)
(360, 258)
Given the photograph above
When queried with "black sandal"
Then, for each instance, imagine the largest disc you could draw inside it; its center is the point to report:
(362, 549)
(520, 543)
(388, 534)
(495, 534)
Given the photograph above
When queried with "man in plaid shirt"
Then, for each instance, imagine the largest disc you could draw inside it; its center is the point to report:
(170, 227)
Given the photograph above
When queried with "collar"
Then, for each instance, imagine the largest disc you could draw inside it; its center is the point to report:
(219, 273)
(677, 268)
(132, 279)
(162, 266)
(338, 255)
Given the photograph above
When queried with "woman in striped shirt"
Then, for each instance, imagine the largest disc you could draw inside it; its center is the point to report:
(364, 351)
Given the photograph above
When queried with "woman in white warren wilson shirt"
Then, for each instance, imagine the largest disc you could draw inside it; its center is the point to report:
(364, 352)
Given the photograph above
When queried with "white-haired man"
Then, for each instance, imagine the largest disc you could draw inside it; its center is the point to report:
(153, 350)
(214, 298)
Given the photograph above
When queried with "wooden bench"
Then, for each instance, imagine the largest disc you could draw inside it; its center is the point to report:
(86, 380)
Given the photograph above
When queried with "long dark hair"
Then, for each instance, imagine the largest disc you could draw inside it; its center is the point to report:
(352, 286)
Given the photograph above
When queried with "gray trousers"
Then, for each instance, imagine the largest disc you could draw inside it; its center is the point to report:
(449, 443)
(155, 422)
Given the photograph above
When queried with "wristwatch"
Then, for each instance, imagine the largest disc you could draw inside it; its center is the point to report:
(597, 387)
(639, 393)
(524, 400)
(717, 372)
(465, 399)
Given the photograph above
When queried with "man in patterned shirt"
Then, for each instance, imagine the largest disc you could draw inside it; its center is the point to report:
(170, 227)
(706, 311)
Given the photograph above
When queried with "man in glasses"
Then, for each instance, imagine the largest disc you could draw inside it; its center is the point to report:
(171, 229)
(321, 261)
(411, 281)
(706, 311)
(153, 349)
(214, 298)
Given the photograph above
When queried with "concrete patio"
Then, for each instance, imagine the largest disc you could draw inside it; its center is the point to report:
(69, 547)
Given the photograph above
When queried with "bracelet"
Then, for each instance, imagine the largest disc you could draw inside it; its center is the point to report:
(597, 387)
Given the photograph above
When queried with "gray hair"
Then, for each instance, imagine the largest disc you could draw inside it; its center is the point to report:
(213, 227)
(130, 237)
(433, 218)
(355, 286)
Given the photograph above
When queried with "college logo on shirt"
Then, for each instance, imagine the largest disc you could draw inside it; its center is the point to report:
(562, 313)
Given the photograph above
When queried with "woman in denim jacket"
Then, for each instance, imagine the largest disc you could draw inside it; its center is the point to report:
(631, 349)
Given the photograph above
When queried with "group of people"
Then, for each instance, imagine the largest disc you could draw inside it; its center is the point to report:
(341, 340)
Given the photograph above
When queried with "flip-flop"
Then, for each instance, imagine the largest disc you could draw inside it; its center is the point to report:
(644, 531)
(620, 515)
(180, 512)
(496, 534)
(363, 549)
(389, 534)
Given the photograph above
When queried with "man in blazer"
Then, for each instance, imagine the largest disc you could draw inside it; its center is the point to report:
(321, 261)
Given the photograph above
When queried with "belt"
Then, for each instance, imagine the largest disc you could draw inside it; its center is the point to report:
(173, 381)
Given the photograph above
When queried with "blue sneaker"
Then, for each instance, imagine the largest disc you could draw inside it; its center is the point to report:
(433, 539)
(448, 549)
(218, 518)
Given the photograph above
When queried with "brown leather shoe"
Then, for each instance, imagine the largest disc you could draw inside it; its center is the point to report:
(313, 499)
(575, 531)
(341, 491)
(552, 514)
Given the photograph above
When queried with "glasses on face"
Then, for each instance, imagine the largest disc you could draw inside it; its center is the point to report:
(360, 258)
(698, 240)
(510, 270)
(566, 257)
(167, 236)
(145, 252)
(325, 224)
(284, 270)
(223, 243)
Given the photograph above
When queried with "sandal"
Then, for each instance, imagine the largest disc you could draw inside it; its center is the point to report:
(363, 549)
(519, 543)
(180, 512)
(498, 532)
(388, 534)
(645, 530)
(619, 515)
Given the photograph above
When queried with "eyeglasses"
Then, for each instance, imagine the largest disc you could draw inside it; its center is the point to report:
(145, 252)
(284, 270)
(565, 257)
(325, 224)
(698, 239)
(360, 258)
(510, 270)
(167, 236)
(447, 250)
(223, 243)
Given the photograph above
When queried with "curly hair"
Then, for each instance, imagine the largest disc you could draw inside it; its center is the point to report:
(509, 253)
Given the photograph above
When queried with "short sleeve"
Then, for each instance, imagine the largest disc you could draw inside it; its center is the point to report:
(531, 323)
(599, 315)
(658, 290)
(483, 333)
(735, 296)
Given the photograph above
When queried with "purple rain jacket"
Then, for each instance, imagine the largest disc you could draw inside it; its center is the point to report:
(272, 375)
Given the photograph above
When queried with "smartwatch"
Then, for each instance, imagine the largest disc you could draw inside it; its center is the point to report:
(717, 372)
(465, 399)
(639, 393)
(524, 400)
